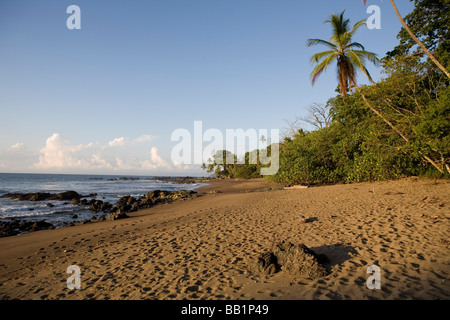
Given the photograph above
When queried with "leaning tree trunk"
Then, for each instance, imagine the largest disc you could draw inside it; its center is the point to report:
(428, 53)
(404, 137)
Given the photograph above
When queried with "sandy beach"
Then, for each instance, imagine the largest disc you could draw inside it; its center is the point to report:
(202, 248)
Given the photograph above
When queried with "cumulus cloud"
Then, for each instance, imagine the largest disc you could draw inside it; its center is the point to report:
(155, 161)
(59, 153)
(118, 155)
(117, 142)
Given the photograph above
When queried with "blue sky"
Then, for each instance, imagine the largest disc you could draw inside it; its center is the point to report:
(106, 98)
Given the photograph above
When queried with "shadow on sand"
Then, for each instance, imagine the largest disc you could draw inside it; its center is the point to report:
(336, 253)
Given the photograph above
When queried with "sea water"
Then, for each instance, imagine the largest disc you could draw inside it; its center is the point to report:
(108, 188)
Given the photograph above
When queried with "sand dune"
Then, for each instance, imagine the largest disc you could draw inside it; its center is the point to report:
(202, 248)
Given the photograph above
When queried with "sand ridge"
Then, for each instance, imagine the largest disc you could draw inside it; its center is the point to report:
(202, 248)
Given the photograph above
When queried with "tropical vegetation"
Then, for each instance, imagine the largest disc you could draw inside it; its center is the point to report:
(396, 127)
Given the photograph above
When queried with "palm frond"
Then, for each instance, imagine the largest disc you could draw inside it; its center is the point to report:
(354, 44)
(313, 42)
(340, 27)
(321, 67)
(321, 55)
(359, 61)
(357, 26)
(372, 57)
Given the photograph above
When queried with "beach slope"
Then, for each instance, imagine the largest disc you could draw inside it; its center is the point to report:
(203, 248)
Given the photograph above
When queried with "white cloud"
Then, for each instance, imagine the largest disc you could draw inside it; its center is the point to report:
(117, 142)
(122, 165)
(155, 162)
(59, 153)
(17, 146)
(118, 155)
(98, 161)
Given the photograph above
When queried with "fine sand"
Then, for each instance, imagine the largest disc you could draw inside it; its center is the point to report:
(203, 248)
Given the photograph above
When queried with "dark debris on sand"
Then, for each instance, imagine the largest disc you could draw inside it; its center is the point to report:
(297, 260)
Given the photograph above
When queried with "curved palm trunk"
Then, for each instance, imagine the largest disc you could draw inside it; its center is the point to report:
(404, 137)
(428, 53)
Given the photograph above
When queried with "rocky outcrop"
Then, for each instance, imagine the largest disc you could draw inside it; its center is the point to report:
(125, 205)
(14, 227)
(129, 203)
(183, 180)
(158, 196)
(42, 196)
(100, 206)
(117, 215)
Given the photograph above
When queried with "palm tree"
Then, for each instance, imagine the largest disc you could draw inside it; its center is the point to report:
(349, 55)
(421, 45)
(348, 61)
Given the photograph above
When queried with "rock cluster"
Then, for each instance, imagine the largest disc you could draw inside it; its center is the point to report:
(295, 259)
(14, 227)
(125, 205)
(131, 204)
(41, 196)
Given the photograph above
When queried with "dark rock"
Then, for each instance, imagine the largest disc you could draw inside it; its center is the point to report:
(185, 180)
(117, 215)
(36, 196)
(41, 196)
(106, 207)
(40, 225)
(135, 206)
(96, 205)
(67, 195)
(99, 206)
(128, 179)
(156, 196)
(295, 259)
(50, 205)
(113, 209)
(159, 196)
(14, 227)
(76, 201)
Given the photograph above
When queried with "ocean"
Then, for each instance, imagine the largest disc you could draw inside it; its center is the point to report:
(108, 188)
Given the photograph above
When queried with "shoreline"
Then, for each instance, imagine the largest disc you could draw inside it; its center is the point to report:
(111, 210)
(201, 248)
